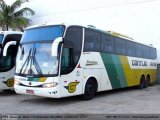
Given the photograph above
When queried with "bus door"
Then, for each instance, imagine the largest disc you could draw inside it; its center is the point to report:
(71, 76)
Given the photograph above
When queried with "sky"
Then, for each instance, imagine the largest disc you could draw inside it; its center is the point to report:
(139, 19)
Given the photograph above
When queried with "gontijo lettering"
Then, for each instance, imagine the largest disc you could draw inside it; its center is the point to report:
(139, 63)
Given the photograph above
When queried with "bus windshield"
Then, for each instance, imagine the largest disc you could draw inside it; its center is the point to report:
(49, 33)
(36, 59)
(34, 56)
(5, 62)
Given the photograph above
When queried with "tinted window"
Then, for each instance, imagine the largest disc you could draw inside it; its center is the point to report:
(152, 53)
(107, 43)
(145, 51)
(92, 41)
(1, 37)
(72, 49)
(119, 46)
(43, 33)
(66, 58)
(66, 62)
(138, 48)
(130, 48)
(7, 62)
(12, 37)
(73, 39)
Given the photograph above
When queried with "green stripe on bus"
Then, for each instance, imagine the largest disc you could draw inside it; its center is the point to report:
(30, 79)
(111, 70)
(36, 79)
(33, 79)
(120, 71)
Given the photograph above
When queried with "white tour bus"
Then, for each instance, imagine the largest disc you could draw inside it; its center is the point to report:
(67, 60)
(9, 41)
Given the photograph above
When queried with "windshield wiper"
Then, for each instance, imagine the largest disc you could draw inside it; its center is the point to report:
(26, 61)
(37, 66)
(33, 61)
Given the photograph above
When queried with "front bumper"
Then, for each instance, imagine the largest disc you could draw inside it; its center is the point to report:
(44, 92)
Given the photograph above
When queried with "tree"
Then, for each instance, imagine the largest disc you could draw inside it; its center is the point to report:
(12, 16)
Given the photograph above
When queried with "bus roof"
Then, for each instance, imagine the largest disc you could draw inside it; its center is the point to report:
(10, 32)
(113, 33)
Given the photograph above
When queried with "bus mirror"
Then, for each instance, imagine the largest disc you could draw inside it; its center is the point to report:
(55, 45)
(7, 46)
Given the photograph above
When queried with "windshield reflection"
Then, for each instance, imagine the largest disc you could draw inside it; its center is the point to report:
(49, 33)
(36, 59)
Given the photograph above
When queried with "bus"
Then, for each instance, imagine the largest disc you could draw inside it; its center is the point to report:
(66, 60)
(9, 41)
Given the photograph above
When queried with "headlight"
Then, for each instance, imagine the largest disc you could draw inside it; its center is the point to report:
(48, 85)
(16, 82)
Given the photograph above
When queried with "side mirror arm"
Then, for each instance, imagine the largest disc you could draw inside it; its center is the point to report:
(55, 44)
(7, 46)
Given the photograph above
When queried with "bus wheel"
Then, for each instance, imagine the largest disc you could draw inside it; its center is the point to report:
(90, 90)
(147, 83)
(142, 82)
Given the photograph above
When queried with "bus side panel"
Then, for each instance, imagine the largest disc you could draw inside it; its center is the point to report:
(120, 71)
(133, 73)
(71, 84)
(7, 79)
(153, 75)
(105, 82)
(111, 70)
(92, 73)
(129, 73)
(93, 66)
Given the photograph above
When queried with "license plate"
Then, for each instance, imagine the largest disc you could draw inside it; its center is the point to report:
(30, 92)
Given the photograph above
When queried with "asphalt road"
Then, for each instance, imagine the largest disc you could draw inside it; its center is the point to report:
(127, 101)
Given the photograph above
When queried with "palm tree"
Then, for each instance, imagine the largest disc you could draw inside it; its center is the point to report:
(12, 16)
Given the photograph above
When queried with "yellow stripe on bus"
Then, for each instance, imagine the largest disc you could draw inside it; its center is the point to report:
(42, 79)
(133, 75)
(129, 73)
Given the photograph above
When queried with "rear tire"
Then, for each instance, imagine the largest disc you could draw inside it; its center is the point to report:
(90, 90)
(147, 83)
(142, 82)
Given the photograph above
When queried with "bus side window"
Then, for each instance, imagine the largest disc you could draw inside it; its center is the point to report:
(92, 41)
(107, 43)
(67, 60)
(120, 46)
(138, 48)
(130, 48)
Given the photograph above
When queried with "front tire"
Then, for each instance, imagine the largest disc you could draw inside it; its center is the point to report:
(90, 90)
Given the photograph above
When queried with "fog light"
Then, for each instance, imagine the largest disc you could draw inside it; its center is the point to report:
(16, 82)
(48, 85)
